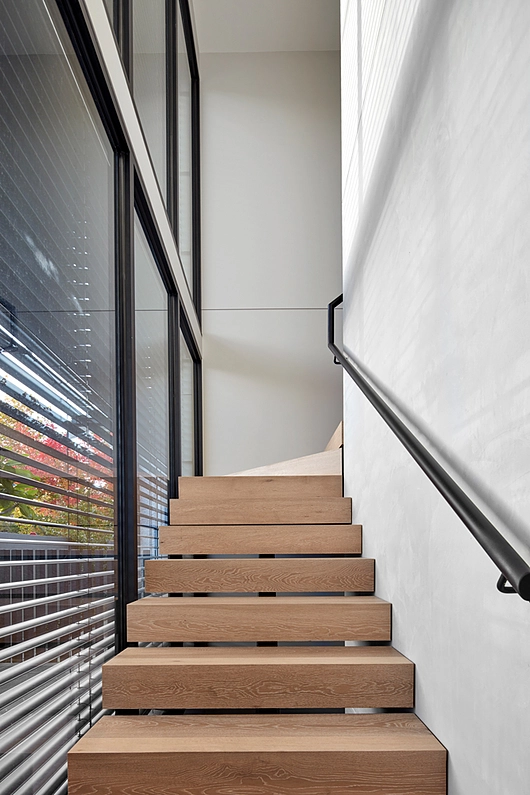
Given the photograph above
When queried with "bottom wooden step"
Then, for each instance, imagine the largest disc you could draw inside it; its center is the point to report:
(392, 754)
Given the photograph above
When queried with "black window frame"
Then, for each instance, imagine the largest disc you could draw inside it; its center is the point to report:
(147, 222)
(126, 513)
(185, 328)
(193, 64)
(123, 28)
(130, 196)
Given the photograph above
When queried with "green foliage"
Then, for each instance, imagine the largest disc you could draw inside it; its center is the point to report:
(10, 507)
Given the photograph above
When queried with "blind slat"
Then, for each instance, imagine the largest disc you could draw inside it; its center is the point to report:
(23, 626)
(29, 604)
(49, 674)
(28, 645)
(58, 473)
(44, 523)
(33, 444)
(43, 486)
(54, 580)
(15, 670)
(82, 681)
(42, 760)
(53, 506)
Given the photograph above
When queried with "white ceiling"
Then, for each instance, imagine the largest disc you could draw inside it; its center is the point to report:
(267, 25)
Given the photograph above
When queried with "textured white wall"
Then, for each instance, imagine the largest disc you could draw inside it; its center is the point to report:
(436, 191)
(271, 254)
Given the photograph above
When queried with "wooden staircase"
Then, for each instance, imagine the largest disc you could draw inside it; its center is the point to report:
(235, 730)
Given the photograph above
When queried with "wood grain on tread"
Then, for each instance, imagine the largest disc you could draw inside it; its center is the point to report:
(225, 732)
(330, 539)
(359, 754)
(263, 677)
(284, 618)
(254, 575)
(323, 510)
(260, 487)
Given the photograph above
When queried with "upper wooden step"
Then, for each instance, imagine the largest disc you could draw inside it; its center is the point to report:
(392, 754)
(305, 539)
(253, 575)
(210, 511)
(259, 677)
(254, 618)
(255, 488)
(326, 463)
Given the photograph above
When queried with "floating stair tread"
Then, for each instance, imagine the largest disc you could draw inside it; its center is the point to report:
(260, 655)
(258, 677)
(392, 754)
(270, 487)
(322, 510)
(269, 539)
(246, 618)
(136, 734)
(326, 463)
(227, 601)
(260, 575)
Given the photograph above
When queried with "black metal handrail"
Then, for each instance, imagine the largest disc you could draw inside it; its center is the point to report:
(513, 568)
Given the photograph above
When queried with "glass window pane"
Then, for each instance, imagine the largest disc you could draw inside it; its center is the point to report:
(184, 157)
(57, 395)
(149, 79)
(152, 398)
(187, 415)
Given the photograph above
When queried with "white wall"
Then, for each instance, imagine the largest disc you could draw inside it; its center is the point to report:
(271, 254)
(436, 190)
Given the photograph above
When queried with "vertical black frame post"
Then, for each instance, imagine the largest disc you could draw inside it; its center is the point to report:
(126, 464)
(123, 27)
(175, 434)
(198, 437)
(197, 393)
(72, 13)
(196, 192)
(195, 154)
(172, 115)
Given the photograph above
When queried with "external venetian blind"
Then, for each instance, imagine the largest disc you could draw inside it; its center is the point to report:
(56, 563)
(57, 397)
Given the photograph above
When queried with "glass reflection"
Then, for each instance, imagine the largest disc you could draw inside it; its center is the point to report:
(185, 228)
(149, 79)
(187, 415)
(152, 398)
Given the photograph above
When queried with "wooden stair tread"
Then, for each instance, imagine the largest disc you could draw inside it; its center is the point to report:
(257, 601)
(269, 539)
(260, 575)
(271, 487)
(259, 754)
(258, 677)
(244, 618)
(322, 510)
(326, 463)
(260, 655)
(139, 734)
